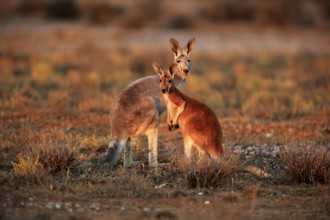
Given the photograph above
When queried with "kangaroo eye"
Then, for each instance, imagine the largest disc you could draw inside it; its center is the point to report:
(170, 81)
(178, 61)
(160, 80)
(188, 61)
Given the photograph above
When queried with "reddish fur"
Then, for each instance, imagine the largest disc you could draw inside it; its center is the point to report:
(198, 123)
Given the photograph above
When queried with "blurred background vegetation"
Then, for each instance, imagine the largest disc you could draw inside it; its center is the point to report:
(171, 13)
(260, 59)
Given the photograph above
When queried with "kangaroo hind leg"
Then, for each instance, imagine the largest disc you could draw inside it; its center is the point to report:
(153, 147)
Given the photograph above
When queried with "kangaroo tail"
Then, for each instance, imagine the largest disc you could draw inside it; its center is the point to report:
(257, 171)
(115, 149)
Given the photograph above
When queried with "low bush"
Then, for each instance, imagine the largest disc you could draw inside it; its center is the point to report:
(51, 151)
(307, 164)
(210, 173)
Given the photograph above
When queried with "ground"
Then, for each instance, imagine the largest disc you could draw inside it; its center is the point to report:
(59, 81)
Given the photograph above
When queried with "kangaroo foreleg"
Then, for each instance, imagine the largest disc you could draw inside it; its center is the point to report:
(179, 110)
(170, 110)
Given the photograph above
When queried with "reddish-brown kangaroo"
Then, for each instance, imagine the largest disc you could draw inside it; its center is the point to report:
(197, 122)
(138, 108)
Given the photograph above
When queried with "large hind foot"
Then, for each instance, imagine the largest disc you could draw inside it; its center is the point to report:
(113, 153)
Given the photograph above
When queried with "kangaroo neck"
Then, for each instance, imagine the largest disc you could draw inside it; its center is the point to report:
(179, 82)
(174, 93)
(174, 97)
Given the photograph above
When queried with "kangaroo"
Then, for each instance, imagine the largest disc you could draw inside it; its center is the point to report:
(197, 122)
(137, 110)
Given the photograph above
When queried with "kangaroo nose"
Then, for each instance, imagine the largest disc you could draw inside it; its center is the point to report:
(164, 91)
(186, 70)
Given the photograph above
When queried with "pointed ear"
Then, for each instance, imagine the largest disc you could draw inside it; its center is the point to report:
(157, 68)
(190, 45)
(173, 68)
(175, 46)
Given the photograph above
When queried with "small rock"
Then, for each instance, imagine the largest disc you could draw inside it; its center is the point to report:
(269, 135)
(160, 186)
(50, 205)
(146, 209)
(58, 205)
(94, 207)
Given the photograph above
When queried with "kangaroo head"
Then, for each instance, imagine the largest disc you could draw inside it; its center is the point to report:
(181, 56)
(166, 77)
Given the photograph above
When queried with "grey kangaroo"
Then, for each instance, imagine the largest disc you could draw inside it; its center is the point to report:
(138, 108)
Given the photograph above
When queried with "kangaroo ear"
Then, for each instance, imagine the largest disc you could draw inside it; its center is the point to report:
(173, 68)
(157, 68)
(190, 45)
(175, 46)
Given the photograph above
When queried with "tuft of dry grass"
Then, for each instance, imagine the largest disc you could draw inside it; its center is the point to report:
(208, 176)
(52, 150)
(24, 167)
(307, 164)
(29, 170)
(55, 159)
(207, 173)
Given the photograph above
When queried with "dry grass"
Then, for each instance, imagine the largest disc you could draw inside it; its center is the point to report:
(307, 164)
(211, 174)
(205, 173)
(266, 86)
(80, 105)
(25, 167)
(50, 151)
(55, 159)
